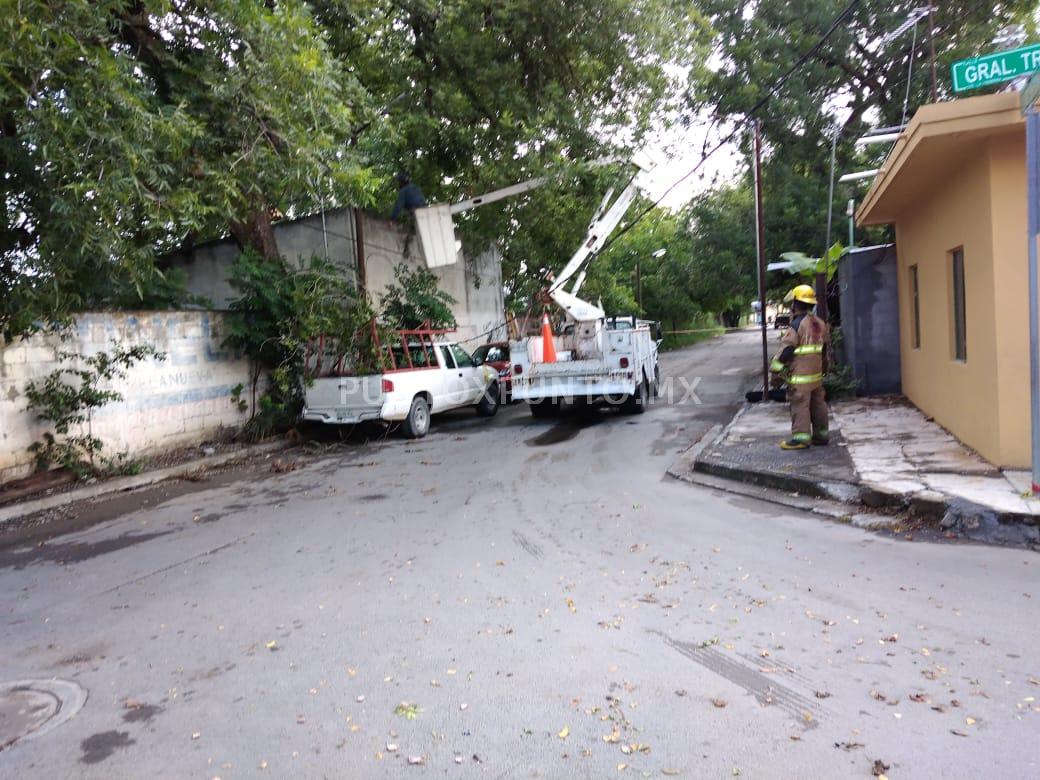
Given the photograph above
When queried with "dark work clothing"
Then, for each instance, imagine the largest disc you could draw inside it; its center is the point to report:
(409, 197)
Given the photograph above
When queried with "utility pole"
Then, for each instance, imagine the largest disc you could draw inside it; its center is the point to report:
(639, 284)
(850, 212)
(821, 284)
(760, 245)
(1033, 206)
(931, 45)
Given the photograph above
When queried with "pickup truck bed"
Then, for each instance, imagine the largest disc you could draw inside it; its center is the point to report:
(448, 380)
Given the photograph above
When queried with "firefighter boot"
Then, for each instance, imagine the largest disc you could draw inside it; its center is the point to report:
(799, 441)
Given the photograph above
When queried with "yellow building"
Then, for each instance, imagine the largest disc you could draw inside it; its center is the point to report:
(954, 186)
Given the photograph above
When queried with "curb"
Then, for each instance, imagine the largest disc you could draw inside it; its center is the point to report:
(121, 484)
(855, 503)
(792, 483)
(836, 490)
(827, 508)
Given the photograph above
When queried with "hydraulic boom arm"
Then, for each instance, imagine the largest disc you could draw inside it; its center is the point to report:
(602, 225)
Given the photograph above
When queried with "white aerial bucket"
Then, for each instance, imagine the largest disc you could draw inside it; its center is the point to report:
(436, 235)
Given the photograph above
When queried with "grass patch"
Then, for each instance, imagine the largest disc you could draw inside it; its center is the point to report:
(705, 327)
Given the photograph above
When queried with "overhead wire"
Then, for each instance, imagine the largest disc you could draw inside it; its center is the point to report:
(910, 72)
(777, 85)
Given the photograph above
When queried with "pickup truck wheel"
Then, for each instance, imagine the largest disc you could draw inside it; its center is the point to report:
(417, 423)
(547, 408)
(638, 401)
(488, 403)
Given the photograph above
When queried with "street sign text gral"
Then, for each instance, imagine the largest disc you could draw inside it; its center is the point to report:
(995, 68)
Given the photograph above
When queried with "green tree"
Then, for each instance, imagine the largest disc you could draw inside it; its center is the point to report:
(472, 96)
(630, 262)
(295, 322)
(130, 127)
(857, 79)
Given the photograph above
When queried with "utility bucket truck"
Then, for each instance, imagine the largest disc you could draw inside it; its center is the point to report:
(598, 359)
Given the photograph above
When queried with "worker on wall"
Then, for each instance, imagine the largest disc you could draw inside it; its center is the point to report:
(409, 197)
(801, 364)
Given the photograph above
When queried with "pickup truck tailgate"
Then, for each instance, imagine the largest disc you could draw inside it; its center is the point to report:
(347, 399)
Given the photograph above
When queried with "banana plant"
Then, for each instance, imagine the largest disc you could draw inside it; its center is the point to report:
(807, 267)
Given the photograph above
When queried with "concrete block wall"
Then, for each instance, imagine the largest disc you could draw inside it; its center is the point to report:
(474, 282)
(183, 400)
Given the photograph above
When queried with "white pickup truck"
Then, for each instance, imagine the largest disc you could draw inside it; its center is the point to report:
(428, 376)
(612, 360)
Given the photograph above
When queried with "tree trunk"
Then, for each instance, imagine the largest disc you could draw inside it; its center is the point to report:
(257, 233)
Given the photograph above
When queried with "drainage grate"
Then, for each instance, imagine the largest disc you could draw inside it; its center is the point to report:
(31, 708)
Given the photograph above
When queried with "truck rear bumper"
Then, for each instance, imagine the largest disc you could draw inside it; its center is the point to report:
(598, 387)
(341, 415)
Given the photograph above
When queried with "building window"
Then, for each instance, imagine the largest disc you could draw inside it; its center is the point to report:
(915, 310)
(960, 332)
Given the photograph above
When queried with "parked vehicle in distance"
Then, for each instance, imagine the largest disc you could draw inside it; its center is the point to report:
(428, 376)
(782, 321)
(495, 354)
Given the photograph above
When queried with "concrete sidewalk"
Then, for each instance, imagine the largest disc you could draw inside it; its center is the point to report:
(884, 454)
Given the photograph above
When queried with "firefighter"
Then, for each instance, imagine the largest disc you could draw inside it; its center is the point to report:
(801, 364)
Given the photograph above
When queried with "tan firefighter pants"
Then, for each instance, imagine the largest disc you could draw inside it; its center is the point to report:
(808, 412)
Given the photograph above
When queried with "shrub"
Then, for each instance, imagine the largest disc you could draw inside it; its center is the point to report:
(416, 301)
(67, 397)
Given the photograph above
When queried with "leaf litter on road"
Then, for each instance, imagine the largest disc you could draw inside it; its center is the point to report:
(407, 710)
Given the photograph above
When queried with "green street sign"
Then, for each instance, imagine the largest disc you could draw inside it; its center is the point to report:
(995, 68)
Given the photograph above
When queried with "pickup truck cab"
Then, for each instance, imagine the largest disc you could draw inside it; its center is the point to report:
(427, 376)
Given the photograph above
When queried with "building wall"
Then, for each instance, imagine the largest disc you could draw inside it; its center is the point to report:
(962, 396)
(868, 280)
(1011, 297)
(180, 401)
(475, 283)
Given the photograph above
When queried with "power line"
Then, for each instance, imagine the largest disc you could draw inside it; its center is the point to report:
(777, 85)
(910, 71)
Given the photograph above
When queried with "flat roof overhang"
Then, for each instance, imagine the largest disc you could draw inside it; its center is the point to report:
(939, 138)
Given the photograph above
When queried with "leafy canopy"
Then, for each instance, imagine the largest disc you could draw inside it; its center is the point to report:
(130, 127)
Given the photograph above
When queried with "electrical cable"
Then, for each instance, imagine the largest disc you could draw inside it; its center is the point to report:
(910, 72)
(737, 130)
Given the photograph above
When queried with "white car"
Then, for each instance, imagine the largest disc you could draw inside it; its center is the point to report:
(427, 377)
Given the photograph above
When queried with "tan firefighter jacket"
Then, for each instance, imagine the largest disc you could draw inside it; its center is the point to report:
(802, 360)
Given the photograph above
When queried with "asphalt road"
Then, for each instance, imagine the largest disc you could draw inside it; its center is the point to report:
(529, 599)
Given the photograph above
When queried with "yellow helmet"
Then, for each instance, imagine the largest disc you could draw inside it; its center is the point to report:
(803, 292)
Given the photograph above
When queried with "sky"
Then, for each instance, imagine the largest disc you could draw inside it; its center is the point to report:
(678, 150)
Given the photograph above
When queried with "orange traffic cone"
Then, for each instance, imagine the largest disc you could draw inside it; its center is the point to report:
(548, 347)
